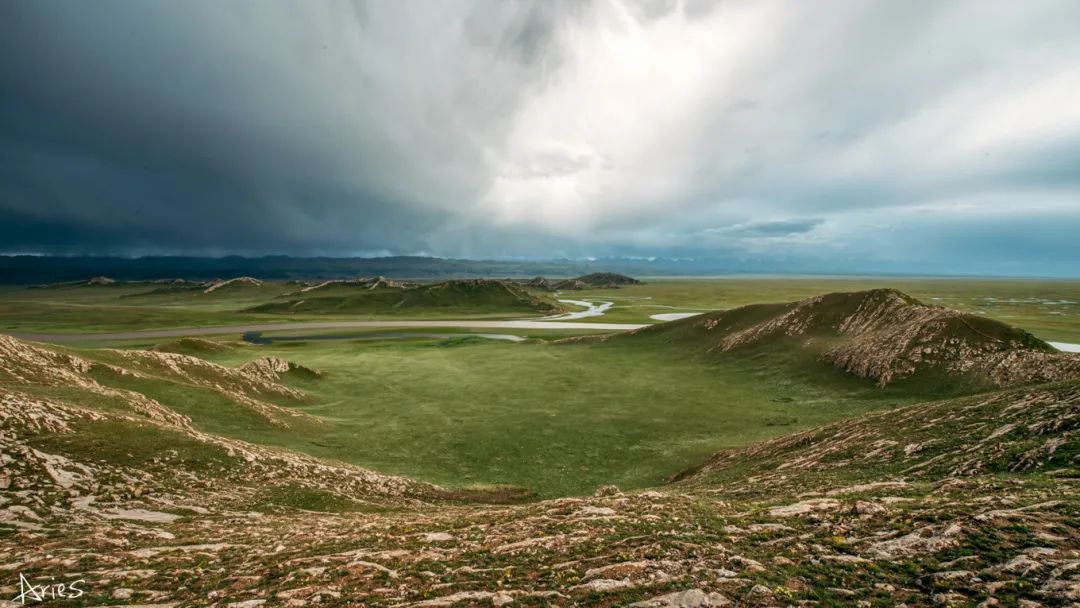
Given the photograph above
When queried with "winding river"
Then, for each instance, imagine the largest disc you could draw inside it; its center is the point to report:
(592, 309)
(253, 332)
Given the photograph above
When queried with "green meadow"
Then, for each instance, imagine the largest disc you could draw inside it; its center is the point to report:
(543, 417)
(1050, 309)
(548, 419)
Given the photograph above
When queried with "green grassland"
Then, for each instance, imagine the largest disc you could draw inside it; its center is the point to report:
(553, 419)
(1050, 309)
(135, 306)
(476, 299)
(556, 419)
(837, 491)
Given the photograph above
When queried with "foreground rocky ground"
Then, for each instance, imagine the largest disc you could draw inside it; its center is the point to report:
(965, 502)
(955, 542)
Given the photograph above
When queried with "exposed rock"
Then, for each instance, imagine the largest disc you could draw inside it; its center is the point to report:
(540, 283)
(929, 539)
(603, 584)
(870, 487)
(273, 369)
(805, 507)
(866, 508)
(590, 511)
(364, 283)
(693, 598)
(607, 490)
(216, 285)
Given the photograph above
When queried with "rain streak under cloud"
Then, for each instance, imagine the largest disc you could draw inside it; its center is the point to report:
(920, 136)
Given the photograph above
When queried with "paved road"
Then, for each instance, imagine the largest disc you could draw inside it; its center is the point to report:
(240, 329)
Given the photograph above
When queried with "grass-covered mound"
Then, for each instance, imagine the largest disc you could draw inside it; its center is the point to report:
(198, 347)
(597, 280)
(474, 296)
(881, 334)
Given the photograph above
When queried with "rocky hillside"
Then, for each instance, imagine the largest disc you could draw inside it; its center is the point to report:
(964, 502)
(1013, 431)
(883, 335)
(539, 283)
(91, 282)
(378, 282)
(237, 282)
(78, 450)
(597, 280)
(471, 296)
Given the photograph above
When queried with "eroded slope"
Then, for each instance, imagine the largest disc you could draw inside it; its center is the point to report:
(968, 501)
(883, 335)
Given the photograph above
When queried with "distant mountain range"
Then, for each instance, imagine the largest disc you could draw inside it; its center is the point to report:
(34, 269)
(28, 269)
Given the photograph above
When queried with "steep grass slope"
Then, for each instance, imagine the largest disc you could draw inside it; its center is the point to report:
(881, 334)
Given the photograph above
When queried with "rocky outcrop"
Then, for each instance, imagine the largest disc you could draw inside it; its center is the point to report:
(26, 364)
(571, 285)
(379, 282)
(59, 428)
(274, 369)
(1021, 429)
(539, 283)
(216, 285)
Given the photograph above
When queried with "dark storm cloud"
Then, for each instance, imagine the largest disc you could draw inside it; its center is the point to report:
(244, 126)
(659, 127)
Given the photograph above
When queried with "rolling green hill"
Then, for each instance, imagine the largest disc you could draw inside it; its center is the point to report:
(880, 334)
(473, 296)
(597, 280)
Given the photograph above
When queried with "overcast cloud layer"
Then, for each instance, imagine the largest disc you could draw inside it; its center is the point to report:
(921, 136)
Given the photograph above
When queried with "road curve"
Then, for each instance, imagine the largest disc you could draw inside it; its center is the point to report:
(240, 329)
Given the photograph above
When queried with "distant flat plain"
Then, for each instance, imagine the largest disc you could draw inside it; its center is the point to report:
(1049, 308)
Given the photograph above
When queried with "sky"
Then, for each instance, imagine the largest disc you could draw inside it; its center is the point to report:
(916, 136)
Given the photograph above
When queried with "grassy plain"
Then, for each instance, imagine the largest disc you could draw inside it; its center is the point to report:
(555, 419)
(1050, 309)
